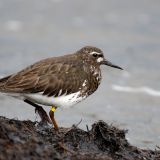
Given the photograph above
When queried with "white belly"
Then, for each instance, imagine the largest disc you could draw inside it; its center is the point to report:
(63, 101)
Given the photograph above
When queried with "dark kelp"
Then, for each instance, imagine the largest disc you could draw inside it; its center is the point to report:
(25, 140)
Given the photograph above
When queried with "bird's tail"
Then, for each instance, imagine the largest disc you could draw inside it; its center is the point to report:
(2, 82)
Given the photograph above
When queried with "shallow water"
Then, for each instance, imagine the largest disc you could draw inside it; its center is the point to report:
(128, 33)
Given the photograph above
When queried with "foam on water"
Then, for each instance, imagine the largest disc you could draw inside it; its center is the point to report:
(143, 89)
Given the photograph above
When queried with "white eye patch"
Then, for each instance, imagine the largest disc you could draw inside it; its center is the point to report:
(95, 53)
(100, 59)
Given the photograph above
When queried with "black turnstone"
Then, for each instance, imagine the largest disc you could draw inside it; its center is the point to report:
(58, 81)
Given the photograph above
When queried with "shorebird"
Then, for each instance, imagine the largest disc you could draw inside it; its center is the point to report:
(58, 81)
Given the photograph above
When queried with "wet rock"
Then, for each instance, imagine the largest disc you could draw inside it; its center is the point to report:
(26, 140)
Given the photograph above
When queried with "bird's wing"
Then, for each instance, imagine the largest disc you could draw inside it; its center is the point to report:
(49, 77)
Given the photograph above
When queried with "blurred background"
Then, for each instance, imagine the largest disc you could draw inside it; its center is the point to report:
(128, 31)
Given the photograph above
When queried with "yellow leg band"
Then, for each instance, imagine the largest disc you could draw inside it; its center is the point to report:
(53, 109)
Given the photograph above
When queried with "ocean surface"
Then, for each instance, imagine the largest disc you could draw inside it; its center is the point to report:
(128, 31)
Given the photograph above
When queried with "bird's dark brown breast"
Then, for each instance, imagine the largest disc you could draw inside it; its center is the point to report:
(93, 79)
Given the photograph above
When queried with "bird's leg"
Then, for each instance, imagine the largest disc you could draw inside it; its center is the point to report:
(51, 114)
(42, 113)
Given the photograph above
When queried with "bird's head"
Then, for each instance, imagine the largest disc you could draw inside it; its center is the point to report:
(95, 55)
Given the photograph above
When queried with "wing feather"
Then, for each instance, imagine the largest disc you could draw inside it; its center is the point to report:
(49, 77)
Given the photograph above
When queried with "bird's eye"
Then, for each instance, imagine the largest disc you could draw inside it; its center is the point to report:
(95, 55)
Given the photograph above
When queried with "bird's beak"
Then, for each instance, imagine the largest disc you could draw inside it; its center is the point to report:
(105, 62)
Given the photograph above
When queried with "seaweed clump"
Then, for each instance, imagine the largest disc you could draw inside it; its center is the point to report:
(26, 140)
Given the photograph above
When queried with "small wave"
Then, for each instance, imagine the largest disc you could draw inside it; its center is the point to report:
(146, 90)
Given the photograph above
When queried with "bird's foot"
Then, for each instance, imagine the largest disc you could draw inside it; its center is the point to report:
(43, 115)
(51, 114)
